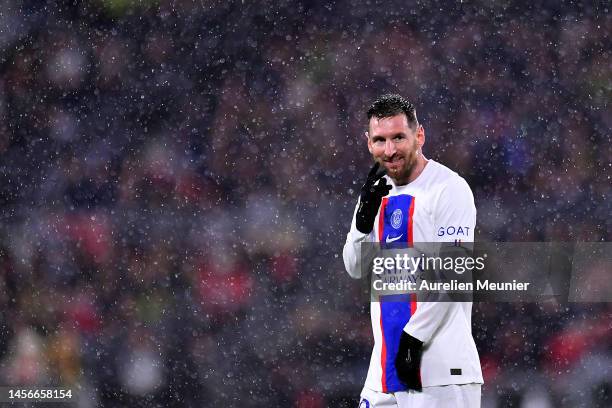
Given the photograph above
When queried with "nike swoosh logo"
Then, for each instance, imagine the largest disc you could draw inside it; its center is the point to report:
(387, 240)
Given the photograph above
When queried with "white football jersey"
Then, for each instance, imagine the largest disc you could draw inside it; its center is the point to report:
(438, 206)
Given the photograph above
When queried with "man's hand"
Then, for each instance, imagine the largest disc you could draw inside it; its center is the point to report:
(370, 198)
(408, 361)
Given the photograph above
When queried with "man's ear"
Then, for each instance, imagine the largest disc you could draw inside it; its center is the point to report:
(421, 136)
(367, 136)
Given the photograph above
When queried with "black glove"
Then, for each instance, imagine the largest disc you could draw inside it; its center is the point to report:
(370, 198)
(408, 361)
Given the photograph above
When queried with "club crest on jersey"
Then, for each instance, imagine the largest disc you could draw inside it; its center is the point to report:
(396, 218)
(395, 221)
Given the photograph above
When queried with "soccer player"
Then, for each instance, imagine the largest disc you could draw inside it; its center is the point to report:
(424, 353)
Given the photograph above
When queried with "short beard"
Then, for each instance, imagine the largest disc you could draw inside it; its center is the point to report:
(405, 173)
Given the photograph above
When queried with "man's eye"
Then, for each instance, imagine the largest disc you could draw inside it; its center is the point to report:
(398, 137)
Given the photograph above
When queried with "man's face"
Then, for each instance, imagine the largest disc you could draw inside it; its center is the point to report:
(395, 145)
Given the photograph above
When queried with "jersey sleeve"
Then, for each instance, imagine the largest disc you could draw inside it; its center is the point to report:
(351, 252)
(454, 220)
(455, 214)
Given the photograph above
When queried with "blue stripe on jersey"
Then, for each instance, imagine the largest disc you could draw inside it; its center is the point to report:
(396, 219)
(395, 313)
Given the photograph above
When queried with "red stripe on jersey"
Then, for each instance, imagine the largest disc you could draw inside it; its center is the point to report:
(413, 304)
(383, 353)
(411, 223)
(383, 356)
(381, 219)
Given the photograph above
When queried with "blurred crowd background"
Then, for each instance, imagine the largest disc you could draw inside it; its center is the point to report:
(178, 178)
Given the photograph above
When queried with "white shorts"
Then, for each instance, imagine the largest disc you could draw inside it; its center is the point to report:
(444, 396)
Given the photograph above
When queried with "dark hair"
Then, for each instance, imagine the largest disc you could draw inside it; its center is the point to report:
(393, 104)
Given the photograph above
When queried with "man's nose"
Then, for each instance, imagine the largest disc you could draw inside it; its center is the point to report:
(389, 148)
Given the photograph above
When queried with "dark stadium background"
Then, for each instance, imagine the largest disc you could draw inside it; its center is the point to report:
(178, 178)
